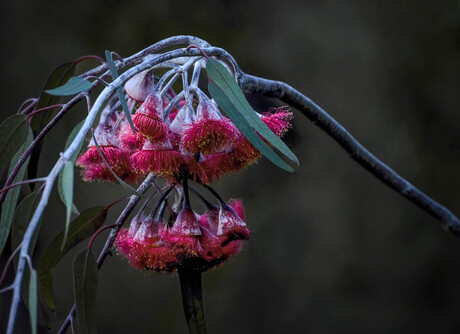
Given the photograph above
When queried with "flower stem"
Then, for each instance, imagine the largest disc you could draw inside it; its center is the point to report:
(190, 283)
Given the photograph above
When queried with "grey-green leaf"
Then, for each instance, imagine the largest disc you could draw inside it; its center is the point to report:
(82, 227)
(11, 199)
(67, 194)
(13, 133)
(243, 125)
(222, 78)
(73, 86)
(21, 220)
(85, 289)
(71, 138)
(33, 303)
(121, 96)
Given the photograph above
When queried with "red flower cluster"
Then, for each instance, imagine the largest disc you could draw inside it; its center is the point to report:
(202, 146)
(178, 145)
(209, 238)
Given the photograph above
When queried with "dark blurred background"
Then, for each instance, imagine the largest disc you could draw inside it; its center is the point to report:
(333, 250)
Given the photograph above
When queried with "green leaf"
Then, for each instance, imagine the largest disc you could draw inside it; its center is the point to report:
(33, 304)
(13, 133)
(58, 77)
(67, 193)
(82, 227)
(233, 94)
(85, 289)
(121, 96)
(73, 86)
(11, 199)
(131, 190)
(21, 220)
(243, 125)
(71, 138)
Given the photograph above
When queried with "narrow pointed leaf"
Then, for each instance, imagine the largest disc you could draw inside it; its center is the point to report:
(243, 125)
(71, 138)
(67, 193)
(13, 133)
(121, 96)
(33, 300)
(85, 289)
(59, 76)
(73, 86)
(82, 227)
(131, 190)
(11, 199)
(222, 78)
(21, 220)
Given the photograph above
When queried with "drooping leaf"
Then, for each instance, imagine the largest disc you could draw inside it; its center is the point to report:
(71, 138)
(73, 86)
(21, 220)
(58, 77)
(85, 289)
(33, 300)
(233, 94)
(11, 199)
(131, 190)
(121, 96)
(67, 193)
(88, 222)
(243, 125)
(13, 133)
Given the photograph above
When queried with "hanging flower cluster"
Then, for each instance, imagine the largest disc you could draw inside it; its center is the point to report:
(180, 142)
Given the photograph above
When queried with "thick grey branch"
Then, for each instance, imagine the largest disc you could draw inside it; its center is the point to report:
(284, 92)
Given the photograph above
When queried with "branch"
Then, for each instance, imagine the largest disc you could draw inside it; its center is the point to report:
(284, 92)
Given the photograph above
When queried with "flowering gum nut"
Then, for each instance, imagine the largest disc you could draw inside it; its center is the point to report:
(136, 223)
(186, 224)
(140, 85)
(150, 126)
(148, 232)
(230, 222)
(152, 106)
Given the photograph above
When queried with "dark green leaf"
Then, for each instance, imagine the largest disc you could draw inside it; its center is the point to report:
(13, 133)
(33, 302)
(21, 220)
(73, 86)
(121, 96)
(67, 193)
(58, 77)
(222, 78)
(71, 138)
(11, 198)
(85, 289)
(131, 190)
(80, 228)
(242, 124)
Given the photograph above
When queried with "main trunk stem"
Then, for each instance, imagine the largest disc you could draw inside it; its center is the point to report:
(190, 283)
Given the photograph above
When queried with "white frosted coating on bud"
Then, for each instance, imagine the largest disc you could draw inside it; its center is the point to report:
(228, 220)
(140, 85)
(186, 224)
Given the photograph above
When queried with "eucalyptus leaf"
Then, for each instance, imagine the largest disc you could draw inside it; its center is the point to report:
(67, 194)
(33, 300)
(121, 96)
(21, 220)
(13, 133)
(73, 86)
(11, 199)
(71, 138)
(58, 77)
(226, 103)
(232, 93)
(85, 289)
(82, 227)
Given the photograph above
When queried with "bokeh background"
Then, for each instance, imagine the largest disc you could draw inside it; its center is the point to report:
(333, 249)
